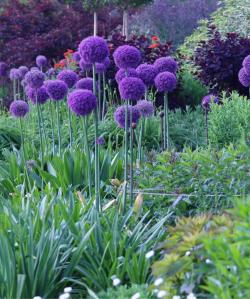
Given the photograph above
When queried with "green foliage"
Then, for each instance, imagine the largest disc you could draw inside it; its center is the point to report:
(131, 3)
(229, 122)
(94, 5)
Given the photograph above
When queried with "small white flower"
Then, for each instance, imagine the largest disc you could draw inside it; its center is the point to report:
(136, 296)
(116, 282)
(188, 253)
(64, 296)
(176, 297)
(191, 296)
(162, 294)
(113, 277)
(208, 261)
(158, 281)
(67, 290)
(37, 297)
(150, 254)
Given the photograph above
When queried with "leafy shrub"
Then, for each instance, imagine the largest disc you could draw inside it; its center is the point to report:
(230, 122)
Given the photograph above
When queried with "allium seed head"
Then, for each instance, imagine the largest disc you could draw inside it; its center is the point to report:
(69, 77)
(132, 88)
(19, 109)
(166, 82)
(127, 57)
(82, 102)
(56, 89)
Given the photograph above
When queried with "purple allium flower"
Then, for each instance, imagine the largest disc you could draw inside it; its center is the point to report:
(34, 68)
(56, 89)
(82, 102)
(122, 73)
(127, 57)
(166, 64)
(166, 82)
(146, 108)
(246, 64)
(23, 70)
(93, 49)
(76, 56)
(37, 96)
(34, 78)
(69, 77)
(3, 69)
(15, 74)
(41, 61)
(51, 73)
(120, 113)
(206, 101)
(132, 88)
(85, 66)
(100, 140)
(19, 108)
(86, 83)
(147, 73)
(244, 78)
(102, 67)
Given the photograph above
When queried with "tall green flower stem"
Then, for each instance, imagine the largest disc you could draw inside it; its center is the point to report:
(14, 89)
(70, 129)
(162, 130)
(43, 128)
(131, 158)
(97, 158)
(58, 126)
(140, 141)
(86, 144)
(104, 94)
(51, 108)
(125, 158)
(165, 123)
(40, 131)
(206, 126)
(99, 96)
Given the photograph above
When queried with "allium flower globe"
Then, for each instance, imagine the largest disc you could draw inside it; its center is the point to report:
(85, 66)
(37, 96)
(23, 70)
(122, 73)
(15, 74)
(102, 67)
(147, 73)
(85, 83)
(76, 56)
(207, 100)
(82, 102)
(41, 61)
(93, 49)
(69, 77)
(120, 113)
(19, 108)
(127, 57)
(56, 89)
(34, 78)
(246, 64)
(166, 64)
(145, 107)
(132, 88)
(244, 78)
(165, 82)
(3, 69)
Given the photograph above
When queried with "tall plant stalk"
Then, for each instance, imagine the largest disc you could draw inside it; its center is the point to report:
(95, 23)
(125, 23)
(131, 157)
(70, 129)
(58, 127)
(99, 96)
(140, 141)
(126, 157)
(104, 94)
(165, 123)
(51, 108)
(40, 131)
(86, 143)
(206, 126)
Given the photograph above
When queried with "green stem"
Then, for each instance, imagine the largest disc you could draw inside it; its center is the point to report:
(52, 126)
(58, 127)
(40, 133)
(140, 141)
(99, 96)
(43, 128)
(14, 89)
(131, 158)
(104, 95)
(126, 157)
(70, 129)
(165, 122)
(206, 125)
(85, 131)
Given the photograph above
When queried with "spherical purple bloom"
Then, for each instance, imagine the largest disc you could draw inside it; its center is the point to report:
(93, 49)
(166, 82)
(127, 57)
(120, 114)
(37, 96)
(132, 88)
(102, 67)
(34, 78)
(244, 78)
(76, 56)
(246, 64)
(82, 102)
(3, 69)
(19, 108)
(51, 73)
(41, 61)
(69, 77)
(145, 107)
(23, 70)
(166, 64)
(56, 89)
(34, 68)
(100, 140)
(86, 83)
(207, 100)
(147, 73)
(122, 73)
(85, 66)
(15, 74)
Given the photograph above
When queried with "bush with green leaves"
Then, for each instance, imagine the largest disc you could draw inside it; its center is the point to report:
(229, 122)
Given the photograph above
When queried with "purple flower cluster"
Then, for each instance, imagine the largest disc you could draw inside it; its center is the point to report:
(37, 96)
(207, 100)
(166, 64)
(122, 73)
(246, 64)
(85, 66)
(82, 102)
(23, 70)
(3, 69)
(85, 83)
(165, 82)
(41, 61)
(76, 56)
(19, 109)
(146, 108)
(132, 88)
(127, 57)
(56, 89)
(15, 74)
(244, 73)
(147, 73)
(69, 77)
(34, 78)
(102, 67)
(120, 114)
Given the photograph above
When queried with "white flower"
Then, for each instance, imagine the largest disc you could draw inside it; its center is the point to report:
(37, 297)
(116, 282)
(150, 254)
(136, 296)
(162, 294)
(158, 281)
(176, 297)
(188, 253)
(191, 296)
(64, 296)
(67, 290)
(208, 261)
